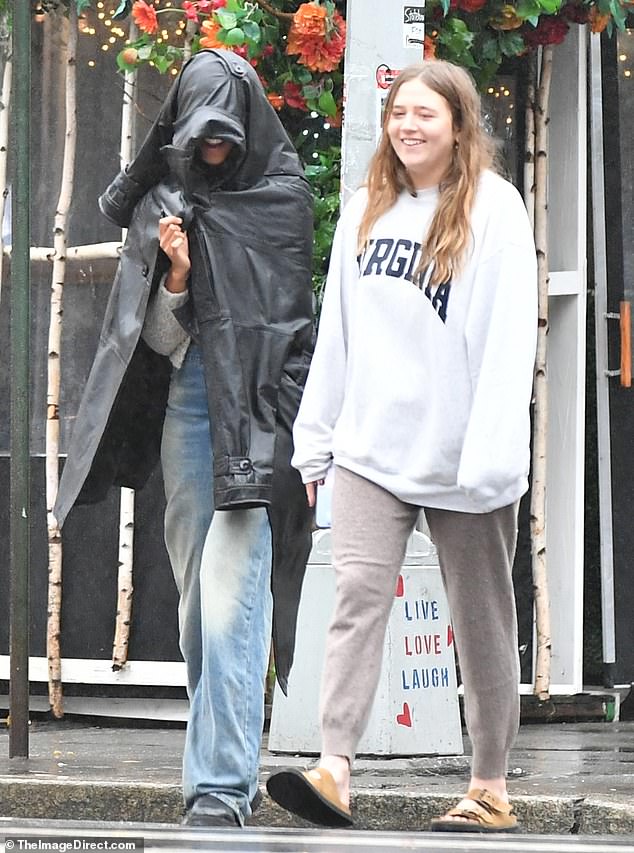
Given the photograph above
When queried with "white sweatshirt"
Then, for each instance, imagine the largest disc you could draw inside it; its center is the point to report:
(426, 392)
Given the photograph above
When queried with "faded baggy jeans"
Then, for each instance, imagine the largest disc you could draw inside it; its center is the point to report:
(222, 568)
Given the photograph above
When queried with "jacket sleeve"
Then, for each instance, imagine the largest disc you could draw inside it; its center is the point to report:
(119, 199)
(501, 334)
(323, 394)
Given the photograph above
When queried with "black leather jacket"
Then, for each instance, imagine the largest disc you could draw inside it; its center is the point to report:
(250, 230)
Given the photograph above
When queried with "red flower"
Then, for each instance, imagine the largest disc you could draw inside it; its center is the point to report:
(293, 95)
(144, 16)
(551, 29)
(190, 9)
(471, 5)
(575, 13)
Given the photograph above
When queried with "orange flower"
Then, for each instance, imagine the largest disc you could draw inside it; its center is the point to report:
(320, 53)
(429, 48)
(508, 19)
(275, 100)
(310, 21)
(210, 30)
(144, 15)
(598, 21)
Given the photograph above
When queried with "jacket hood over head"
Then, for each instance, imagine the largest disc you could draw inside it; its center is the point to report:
(217, 95)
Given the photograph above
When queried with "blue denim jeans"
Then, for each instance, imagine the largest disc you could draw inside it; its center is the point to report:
(222, 568)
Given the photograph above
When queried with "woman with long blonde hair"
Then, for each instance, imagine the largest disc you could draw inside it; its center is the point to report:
(419, 395)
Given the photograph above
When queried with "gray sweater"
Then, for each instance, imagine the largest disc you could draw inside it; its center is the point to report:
(161, 331)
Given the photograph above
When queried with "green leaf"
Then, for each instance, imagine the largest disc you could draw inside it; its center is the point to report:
(311, 92)
(618, 13)
(233, 6)
(227, 20)
(327, 104)
(81, 5)
(511, 43)
(252, 31)
(162, 63)
(122, 10)
(550, 6)
(489, 48)
(145, 52)
(527, 9)
(234, 37)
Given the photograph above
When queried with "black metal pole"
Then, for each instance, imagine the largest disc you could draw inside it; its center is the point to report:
(20, 451)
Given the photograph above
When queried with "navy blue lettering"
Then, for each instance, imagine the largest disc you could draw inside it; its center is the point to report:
(439, 299)
(398, 262)
(380, 254)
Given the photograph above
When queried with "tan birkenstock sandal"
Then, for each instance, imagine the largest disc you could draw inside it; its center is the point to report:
(309, 794)
(485, 813)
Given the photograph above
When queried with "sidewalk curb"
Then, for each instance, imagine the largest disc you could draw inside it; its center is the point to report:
(373, 809)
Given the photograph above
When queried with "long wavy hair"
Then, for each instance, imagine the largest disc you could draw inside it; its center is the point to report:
(448, 237)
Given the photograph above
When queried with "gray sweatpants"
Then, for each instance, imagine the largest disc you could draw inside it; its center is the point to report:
(370, 528)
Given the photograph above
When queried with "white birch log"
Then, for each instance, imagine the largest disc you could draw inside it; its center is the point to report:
(125, 584)
(540, 424)
(4, 145)
(53, 630)
(190, 32)
(89, 252)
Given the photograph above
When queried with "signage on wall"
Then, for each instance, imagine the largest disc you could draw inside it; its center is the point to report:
(413, 26)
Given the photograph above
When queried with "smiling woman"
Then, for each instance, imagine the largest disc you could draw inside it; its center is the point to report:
(419, 397)
(420, 129)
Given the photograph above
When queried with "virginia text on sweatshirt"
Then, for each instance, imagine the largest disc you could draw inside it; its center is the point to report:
(424, 390)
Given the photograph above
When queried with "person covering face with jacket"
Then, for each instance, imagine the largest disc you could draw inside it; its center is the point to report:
(202, 358)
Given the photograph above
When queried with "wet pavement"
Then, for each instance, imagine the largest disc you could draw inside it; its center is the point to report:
(565, 779)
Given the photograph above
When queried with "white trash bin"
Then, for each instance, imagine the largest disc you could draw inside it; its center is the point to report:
(416, 709)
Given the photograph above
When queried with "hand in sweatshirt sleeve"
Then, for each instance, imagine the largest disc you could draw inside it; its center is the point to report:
(323, 394)
(501, 335)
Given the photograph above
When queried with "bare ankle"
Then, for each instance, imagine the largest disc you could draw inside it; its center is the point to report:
(496, 786)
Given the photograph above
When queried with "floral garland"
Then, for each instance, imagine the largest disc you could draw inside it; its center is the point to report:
(299, 70)
(480, 34)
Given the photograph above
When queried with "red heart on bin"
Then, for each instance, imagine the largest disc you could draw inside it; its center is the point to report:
(449, 635)
(404, 719)
(400, 589)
